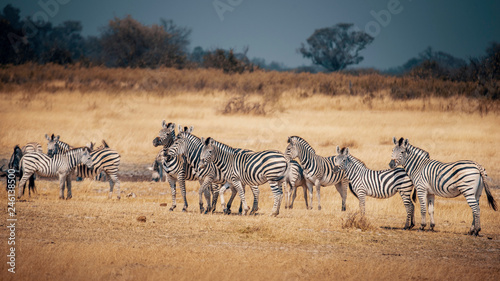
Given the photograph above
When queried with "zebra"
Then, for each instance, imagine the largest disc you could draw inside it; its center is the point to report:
(317, 169)
(15, 160)
(432, 177)
(249, 168)
(104, 160)
(190, 146)
(59, 165)
(295, 178)
(176, 168)
(52, 141)
(378, 184)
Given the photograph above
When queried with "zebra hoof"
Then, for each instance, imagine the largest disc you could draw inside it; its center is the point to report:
(274, 214)
(172, 208)
(319, 208)
(69, 197)
(118, 197)
(61, 197)
(184, 210)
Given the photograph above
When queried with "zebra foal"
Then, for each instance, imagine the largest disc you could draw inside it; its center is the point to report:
(432, 177)
(60, 165)
(378, 184)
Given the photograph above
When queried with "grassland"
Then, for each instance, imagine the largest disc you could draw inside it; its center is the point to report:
(92, 238)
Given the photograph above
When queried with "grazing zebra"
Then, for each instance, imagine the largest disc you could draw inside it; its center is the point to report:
(104, 160)
(378, 184)
(248, 168)
(59, 165)
(317, 169)
(52, 141)
(432, 177)
(15, 160)
(190, 147)
(295, 178)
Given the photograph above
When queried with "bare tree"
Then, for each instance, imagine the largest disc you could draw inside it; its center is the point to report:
(336, 47)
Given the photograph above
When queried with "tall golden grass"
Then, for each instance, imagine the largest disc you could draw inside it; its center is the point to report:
(90, 237)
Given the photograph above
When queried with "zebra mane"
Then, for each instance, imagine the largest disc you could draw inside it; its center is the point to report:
(304, 143)
(418, 151)
(356, 160)
(86, 148)
(220, 145)
(105, 144)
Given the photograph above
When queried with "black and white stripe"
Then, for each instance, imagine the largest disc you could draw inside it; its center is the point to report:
(249, 168)
(59, 165)
(15, 160)
(432, 177)
(295, 178)
(55, 146)
(190, 146)
(378, 184)
(317, 169)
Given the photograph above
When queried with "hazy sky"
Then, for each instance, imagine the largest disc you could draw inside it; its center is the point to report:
(274, 29)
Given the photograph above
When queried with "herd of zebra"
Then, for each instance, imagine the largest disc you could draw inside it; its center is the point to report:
(218, 167)
(62, 160)
(187, 157)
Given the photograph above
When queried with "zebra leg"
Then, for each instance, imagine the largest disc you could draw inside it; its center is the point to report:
(215, 196)
(291, 200)
(171, 182)
(278, 196)
(288, 194)
(310, 187)
(430, 207)
(342, 189)
(241, 192)
(201, 191)
(362, 201)
(422, 198)
(69, 194)
(22, 182)
(183, 192)
(318, 191)
(62, 181)
(114, 181)
(306, 187)
(227, 210)
(410, 209)
(473, 201)
(255, 207)
(221, 194)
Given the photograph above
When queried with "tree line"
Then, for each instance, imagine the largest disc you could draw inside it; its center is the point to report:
(125, 42)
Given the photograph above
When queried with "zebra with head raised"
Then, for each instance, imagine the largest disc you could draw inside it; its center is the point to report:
(432, 177)
(59, 165)
(317, 169)
(249, 168)
(176, 168)
(54, 145)
(295, 178)
(378, 184)
(104, 160)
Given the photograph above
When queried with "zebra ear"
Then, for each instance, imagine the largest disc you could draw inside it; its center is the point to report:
(47, 137)
(56, 138)
(338, 149)
(164, 124)
(346, 151)
(203, 140)
(190, 129)
(405, 143)
(394, 140)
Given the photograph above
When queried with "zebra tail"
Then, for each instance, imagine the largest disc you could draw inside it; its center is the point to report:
(491, 200)
(414, 195)
(31, 184)
(352, 190)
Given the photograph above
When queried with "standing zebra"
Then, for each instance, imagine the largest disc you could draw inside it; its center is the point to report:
(176, 168)
(190, 147)
(432, 177)
(295, 178)
(317, 169)
(103, 159)
(248, 168)
(378, 184)
(59, 165)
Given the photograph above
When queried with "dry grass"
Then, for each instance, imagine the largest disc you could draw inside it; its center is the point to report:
(92, 238)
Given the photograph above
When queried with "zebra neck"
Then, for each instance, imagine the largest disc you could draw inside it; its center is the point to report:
(307, 158)
(417, 158)
(194, 150)
(64, 146)
(223, 156)
(355, 167)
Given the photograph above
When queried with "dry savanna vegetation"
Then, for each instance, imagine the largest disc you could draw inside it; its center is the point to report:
(92, 238)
